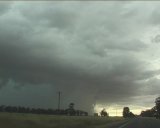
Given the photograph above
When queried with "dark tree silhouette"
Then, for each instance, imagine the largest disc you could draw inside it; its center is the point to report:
(127, 113)
(149, 113)
(71, 106)
(19, 109)
(103, 112)
(71, 111)
(157, 107)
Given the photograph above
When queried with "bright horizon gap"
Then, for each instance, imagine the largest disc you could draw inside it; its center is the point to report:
(116, 110)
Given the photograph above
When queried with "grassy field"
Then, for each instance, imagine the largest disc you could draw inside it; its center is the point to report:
(15, 120)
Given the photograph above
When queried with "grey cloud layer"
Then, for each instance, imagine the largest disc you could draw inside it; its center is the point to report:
(92, 49)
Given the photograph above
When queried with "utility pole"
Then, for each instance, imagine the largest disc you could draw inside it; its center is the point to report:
(59, 99)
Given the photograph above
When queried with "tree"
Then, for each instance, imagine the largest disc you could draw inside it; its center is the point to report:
(71, 111)
(127, 113)
(157, 102)
(71, 106)
(103, 112)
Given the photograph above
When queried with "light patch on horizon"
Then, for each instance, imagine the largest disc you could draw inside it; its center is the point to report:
(117, 110)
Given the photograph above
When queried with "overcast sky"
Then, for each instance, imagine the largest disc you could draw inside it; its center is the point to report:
(104, 53)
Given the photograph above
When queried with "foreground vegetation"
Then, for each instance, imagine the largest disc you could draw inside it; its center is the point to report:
(19, 120)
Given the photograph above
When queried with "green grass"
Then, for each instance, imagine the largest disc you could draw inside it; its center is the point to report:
(15, 120)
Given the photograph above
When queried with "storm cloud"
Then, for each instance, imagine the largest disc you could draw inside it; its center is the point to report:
(93, 52)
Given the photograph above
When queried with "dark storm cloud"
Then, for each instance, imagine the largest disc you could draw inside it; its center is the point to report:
(88, 54)
(4, 7)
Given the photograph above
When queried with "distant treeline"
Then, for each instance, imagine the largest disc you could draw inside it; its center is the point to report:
(149, 113)
(69, 111)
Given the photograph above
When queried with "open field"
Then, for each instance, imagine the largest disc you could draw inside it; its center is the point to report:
(16, 120)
